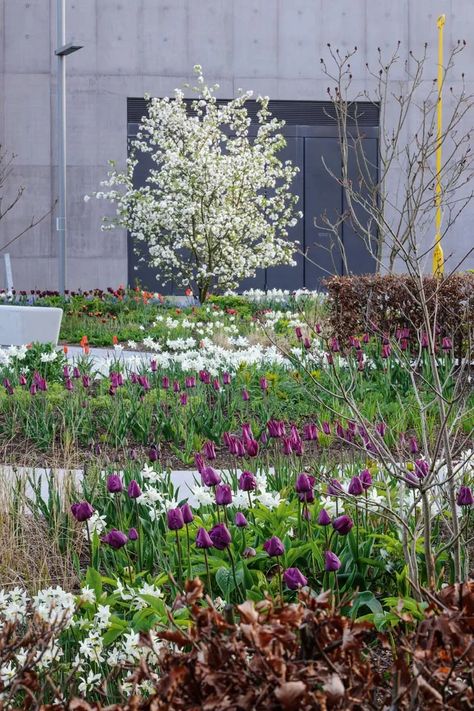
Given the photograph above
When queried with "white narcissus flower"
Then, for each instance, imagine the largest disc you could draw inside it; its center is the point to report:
(87, 595)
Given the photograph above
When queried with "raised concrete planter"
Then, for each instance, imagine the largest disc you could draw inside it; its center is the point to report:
(20, 325)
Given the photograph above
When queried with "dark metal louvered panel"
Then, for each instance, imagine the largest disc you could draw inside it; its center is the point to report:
(294, 113)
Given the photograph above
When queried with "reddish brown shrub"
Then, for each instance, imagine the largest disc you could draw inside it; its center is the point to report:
(384, 303)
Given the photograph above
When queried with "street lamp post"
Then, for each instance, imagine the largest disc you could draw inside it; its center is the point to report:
(61, 52)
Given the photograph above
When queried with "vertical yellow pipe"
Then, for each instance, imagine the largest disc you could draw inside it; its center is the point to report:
(438, 257)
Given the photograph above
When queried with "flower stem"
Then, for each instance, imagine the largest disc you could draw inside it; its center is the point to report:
(208, 573)
(180, 573)
(234, 575)
(280, 583)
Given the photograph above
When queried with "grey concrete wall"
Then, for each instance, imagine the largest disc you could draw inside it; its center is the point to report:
(137, 46)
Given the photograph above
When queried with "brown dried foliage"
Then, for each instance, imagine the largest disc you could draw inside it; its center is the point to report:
(435, 665)
(382, 303)
(298, 656)
(304, 656)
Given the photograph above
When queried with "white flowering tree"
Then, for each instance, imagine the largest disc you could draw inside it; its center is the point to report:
(217, 203)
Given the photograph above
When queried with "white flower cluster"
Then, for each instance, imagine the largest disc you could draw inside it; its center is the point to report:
(86, 622)
(9, 355)
(217, 203)
(209, 356)
(282, 296)
(204, 495)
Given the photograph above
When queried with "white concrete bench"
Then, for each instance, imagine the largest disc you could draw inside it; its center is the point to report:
(20, 325)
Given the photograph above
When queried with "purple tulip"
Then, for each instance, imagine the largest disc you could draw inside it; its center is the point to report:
(298, 333)
(324, 518)
(386, 351)
(356, 487)
(86, 381)
(82, 511)
(22, 380)
(240, 520)
(342, 525)
(199, 462)
(276, 428)
(226, 378)
(307, 496)
(366, 479)
(165, 382)
(412, 480)
(263, 384)
(307, 343)
(381, 428)
(153, 366)
(247, 482)
(183, 398)
(326, 428)
(220, 536)
(114, 484)
(187, 513)
(190, 381)
(334, 345)
(465, 497)
(414, 449)
(303, 483)
(115, 539)
(176, 386)
(204, 377)
(251, 447)
(287, 446)
(422, 467)
(245, 395)
(294, 578)
(238, 447)
(174, 519)
(223, 495)
(340, 432)
(153, 453)
(134, 490)
(294, 435)
(203, 539)
(210, 477)
(335, 488)
(446, 344)
(247, 433)
(310, 432)
(133, 534)
(209, 450)
(331, 562)
(274, 546)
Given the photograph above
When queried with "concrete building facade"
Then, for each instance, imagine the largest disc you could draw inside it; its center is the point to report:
(132, 47)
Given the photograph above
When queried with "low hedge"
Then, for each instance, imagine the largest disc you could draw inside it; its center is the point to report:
(385, 303)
